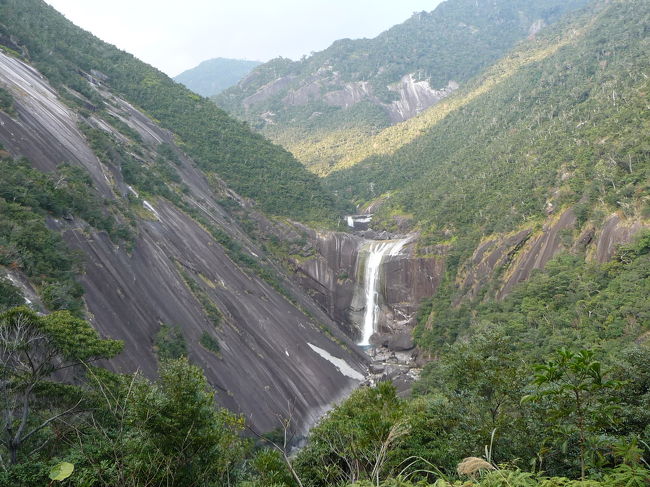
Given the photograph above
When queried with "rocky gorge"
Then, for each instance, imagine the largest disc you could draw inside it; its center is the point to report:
(305, 328)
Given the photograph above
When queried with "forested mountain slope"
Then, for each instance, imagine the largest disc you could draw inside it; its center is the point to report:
(114, 194)
(546, 152)
(525, 197)
(213, 76)
(250, 164)
(530, 182)
(357, 87)
(562, 120)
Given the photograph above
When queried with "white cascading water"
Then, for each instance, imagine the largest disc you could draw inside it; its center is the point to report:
(377, 251)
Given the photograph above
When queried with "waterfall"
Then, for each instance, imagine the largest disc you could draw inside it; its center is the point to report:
(353, 220)
(376, 252)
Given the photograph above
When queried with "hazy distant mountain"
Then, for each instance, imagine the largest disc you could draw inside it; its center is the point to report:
(500, 165)
(215, 75)
(356, 87)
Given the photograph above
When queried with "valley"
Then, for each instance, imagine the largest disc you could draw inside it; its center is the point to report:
(435, 270)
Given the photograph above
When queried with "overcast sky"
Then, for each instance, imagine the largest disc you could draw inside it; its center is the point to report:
(175, 35)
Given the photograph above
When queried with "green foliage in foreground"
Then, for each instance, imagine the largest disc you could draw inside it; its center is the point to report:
(115, 430)
(355, 438)
(624, 475)
(32, 350)
(61, 471)
(469, 415)
(552, 381)
(462, 411)
(574, 385)
(130, 431)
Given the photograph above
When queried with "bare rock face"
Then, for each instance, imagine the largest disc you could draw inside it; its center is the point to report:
(535, 27)
(270, 352)
(511, 258)
(267, 91)
(401, 342)
(265, 357)
(304, 94)
(45, 130)
(406, 282)
(333, 278)
(615, 231)
(538, 251)
(351, 94)
(488, 257)
(415, 96)
(329, 276)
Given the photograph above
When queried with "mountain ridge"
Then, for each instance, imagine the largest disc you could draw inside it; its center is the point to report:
(252, 168)
(212, 76)
(361, 86)
(519, 303)
(112, 218)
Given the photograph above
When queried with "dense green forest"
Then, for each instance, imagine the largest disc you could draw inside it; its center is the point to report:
(567, 124)
(455, 42)
(548, 386)
(246, 161)
(538, 387)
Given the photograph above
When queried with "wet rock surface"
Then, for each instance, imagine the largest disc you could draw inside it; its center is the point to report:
(328, 276)
(402, 368)
(333, 276)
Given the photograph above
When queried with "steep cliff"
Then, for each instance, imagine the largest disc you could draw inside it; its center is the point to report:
(334, 275)
(70, 58)
(185, 262)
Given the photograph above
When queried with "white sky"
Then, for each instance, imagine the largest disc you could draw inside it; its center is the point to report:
(175, 35)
